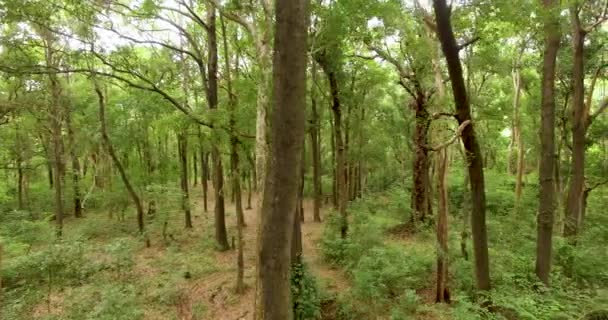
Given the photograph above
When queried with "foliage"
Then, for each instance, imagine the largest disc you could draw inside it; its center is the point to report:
(305, 293)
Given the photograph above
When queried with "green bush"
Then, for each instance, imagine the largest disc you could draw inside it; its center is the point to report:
(63, 262)
(387, 273)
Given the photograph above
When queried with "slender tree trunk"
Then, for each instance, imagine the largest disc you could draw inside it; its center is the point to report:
(443, 291)
(195, 168)
(315, 147)
(56, 119)
(221, 236)
(123, 175)
(516, 133)
(281, 180)
(341, 187)
(474, 155)
(77, 197)
(204, 176)
(334, 180)
(546, 205)
(182, 146)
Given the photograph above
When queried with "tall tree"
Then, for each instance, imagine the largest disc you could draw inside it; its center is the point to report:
(546, 205)
(580, 117)
(473, 151)
(221, 236)
(282, 178)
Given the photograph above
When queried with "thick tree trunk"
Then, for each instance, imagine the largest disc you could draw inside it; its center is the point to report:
(546, 205)
(123, 175)
(473, 151)
(281, 180)
(221, 236)
(182, 146)
(516, 133)
(574, 201)
(421, 165)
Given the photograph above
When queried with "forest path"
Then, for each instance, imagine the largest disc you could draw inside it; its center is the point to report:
(215, 292)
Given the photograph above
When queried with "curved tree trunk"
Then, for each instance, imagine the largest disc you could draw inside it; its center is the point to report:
(123, 175)
(473, 151)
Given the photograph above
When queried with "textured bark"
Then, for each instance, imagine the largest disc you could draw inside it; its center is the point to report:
(221, 236)
(282, 179)
(546, 205)
(421, 164)
(123, 175)
(182, 146)
(473, 151)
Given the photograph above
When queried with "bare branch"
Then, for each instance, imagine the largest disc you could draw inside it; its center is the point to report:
(603, 106)
(452, 140)
(468, 42)
(438, 115)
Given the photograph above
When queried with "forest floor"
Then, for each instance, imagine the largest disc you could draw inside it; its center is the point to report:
(216, 290)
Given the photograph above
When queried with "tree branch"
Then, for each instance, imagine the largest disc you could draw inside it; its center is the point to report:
(452, 140)
(603, 106)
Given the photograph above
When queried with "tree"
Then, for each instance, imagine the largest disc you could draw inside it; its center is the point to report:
(546, 204)
(282, 179)
(581, 119)
(474, 156)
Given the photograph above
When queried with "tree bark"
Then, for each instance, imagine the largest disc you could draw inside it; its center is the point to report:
(473, 151)
(443, 291)
(421, 164)
(546, 205)
(221, 236)
(315, 147)
(517, 136)
(340, 177)
(282, 179)
(182, 146)
(574, 201)
(56, 119)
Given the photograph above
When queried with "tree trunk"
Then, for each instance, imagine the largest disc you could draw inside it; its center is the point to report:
(546, 205)
(574, 201)
(517, 136)
(315, 147)
(56, 118)
(182, 146)
(341, 187)
(443, 291)
(204, 176)
(221, 236)
(123, 175)
(421, 163)
(473, 151)
(281, 180)
(194, 169)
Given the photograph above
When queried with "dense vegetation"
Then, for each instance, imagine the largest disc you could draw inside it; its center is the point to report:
(342, 159)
